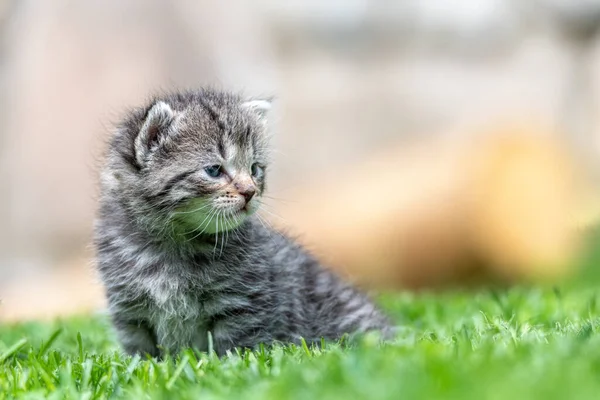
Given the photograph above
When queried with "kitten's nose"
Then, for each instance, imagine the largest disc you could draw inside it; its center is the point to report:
(248, 191)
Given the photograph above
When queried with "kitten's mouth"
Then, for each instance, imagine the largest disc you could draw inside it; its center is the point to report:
(240, 212)
(246, 210)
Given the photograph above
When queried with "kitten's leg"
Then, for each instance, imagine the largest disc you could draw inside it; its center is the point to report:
(342, 309)
(136, 336)
(240, 328)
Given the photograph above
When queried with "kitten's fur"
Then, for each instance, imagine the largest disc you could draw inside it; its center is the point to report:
(181, 253)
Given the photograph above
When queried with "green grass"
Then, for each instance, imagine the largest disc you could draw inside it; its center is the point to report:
(521, 343)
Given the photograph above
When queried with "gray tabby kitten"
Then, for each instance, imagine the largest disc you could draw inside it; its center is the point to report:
(180, 250)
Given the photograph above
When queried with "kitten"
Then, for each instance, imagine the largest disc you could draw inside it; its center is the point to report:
(180, 250)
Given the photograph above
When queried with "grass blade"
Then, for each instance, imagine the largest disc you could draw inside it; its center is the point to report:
(305, 347)
(46, 346)
(80, 346)
(182, 364)
(12, 350)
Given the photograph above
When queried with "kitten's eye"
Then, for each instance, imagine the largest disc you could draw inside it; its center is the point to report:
(257, 171)
(214, 171)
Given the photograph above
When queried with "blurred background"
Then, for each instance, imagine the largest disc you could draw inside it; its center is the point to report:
(417, 136)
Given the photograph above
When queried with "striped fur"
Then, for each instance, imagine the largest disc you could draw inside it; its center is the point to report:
(168, 283)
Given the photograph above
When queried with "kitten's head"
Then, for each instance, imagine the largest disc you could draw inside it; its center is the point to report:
(191, 162)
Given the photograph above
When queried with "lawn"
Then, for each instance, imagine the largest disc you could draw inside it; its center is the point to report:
(519, 343)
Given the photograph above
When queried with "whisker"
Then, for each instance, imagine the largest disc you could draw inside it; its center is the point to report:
(272, 213)
(261, 221)
(266, 196)
(217, 234)
(192, 211)
(199, 225)
(266, 222)
(211, 215)
(237, 235)
(225, 234)
(270, 228)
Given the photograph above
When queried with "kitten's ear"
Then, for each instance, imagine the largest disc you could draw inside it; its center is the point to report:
(154, 130)
(259, 107)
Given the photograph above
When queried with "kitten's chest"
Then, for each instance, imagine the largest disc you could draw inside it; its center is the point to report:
(172, 295)
(175, 311)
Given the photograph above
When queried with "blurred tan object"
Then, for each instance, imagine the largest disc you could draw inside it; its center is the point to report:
(443, 211)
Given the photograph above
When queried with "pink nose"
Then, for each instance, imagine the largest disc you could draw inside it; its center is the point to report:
(248, 191)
